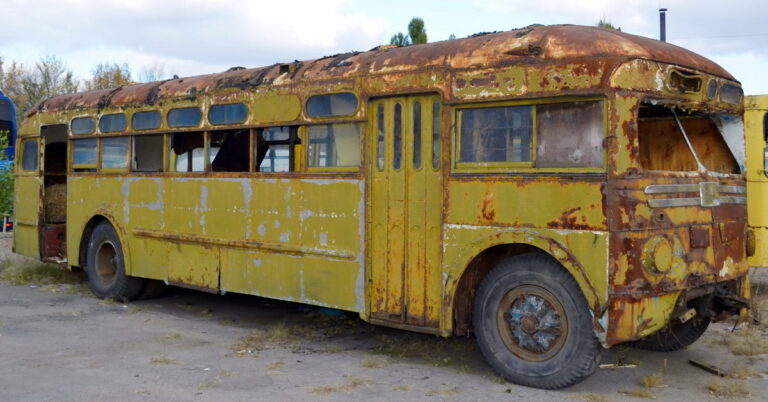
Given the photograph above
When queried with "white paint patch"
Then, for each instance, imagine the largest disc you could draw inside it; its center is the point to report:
(203, 206)
(724, 270)
(285, 237)
(323, 239)
(257, 262)
(262, 230)
(126, 206)
(276, 224)
(305, 213)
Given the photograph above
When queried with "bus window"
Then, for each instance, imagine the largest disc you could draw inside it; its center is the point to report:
(84, 155)
(188, 152)
(274, 149)
(417, 135)
(332, 105)
(29, 155)
(435, 135)
(496, 134)
(569, 135)
(184, 117)
(83, 125)
(229, 151)
(112, 123)
(765, 127)
(334, 145)
(232, 113)
(114, 153)
(148, 153)
(146, 120)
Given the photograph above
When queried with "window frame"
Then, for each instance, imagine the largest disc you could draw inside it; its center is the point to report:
(164, 153)
(234, 123)
(84, 167)
(318, 119)
(20, 158)
(128, 155)
(529, 166)
(125, 123)
(200, 122)
(142, 130)
(93, 119)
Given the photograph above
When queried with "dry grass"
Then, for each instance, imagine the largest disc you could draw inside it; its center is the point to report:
(726, 388)
(278, 335)
(643, 393)
(350, 384)
(593, 398)
(174, 337)
(651, 381)
(163, 360)
(746, 341)
(438, 352)
(275, 365)
(27, 272)
(375, 362)
(402, 387)
(743, 372)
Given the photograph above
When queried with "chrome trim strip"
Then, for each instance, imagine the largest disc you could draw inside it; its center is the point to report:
(672, 188)
(730, 199)
(674, 202)
(731, 189)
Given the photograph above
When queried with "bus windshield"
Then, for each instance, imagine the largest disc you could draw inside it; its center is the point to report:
(673, 139)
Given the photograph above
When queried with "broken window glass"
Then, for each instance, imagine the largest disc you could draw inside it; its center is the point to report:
(334, 145)
(114, 153)
(230, 151)
(188, 152)
(148, 153)
(570, 135)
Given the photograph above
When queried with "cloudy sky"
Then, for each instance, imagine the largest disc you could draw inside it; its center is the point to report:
(189, 37)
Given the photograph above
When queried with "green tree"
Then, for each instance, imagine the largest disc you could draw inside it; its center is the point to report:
(605, 24)
(106, 75)
(153, 72)
(6, 179)
(49, 78)
(416, 31)
(416, 34)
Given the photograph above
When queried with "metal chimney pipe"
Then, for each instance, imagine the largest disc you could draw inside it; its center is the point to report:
(663, 24)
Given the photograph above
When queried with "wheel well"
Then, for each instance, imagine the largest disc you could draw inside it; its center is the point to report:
(478, 268)
(82, 255)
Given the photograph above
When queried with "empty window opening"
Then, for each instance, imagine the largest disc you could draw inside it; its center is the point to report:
(188, 152)
(229, 151)
(275, 149)
(663, 146)
(148, 153)
(334, 145)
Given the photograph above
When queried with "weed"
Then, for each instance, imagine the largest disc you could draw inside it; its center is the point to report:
(593, 398)
(728, 388)
(651, 380)
(275, 336)
(402, 387)
(36, 273)
(352, 383)
(275, 365)
(447, 391)
(747, 341)
(174, 336)
(438, 352)
(208, 384)
(643, 393)
(163, 360)
(743, 372)
(228, 373)
(375, 363)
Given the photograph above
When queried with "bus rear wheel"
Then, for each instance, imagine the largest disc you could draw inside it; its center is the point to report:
(674, 336)
(533, 325)
(106, 266)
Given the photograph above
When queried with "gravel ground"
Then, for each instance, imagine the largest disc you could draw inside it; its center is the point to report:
(58, 342)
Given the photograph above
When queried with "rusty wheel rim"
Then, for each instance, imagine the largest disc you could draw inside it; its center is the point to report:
(532, 323)
(106, 262)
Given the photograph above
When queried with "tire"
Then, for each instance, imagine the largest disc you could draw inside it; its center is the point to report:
(533, 324)
(674, 336)
(153, 289)
(106, 266)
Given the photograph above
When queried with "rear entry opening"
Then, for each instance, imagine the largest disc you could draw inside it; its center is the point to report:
(53, 227)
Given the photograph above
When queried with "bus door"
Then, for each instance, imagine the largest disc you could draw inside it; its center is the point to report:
(53, 212)
(756, 134)
(405, 208)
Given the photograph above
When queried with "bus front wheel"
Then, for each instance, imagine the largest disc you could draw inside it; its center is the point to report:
(106, 266)
(533, 324)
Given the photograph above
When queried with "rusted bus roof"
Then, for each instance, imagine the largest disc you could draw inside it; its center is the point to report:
(532, 45)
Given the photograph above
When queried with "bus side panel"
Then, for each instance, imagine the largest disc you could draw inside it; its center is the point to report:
(26, 215)
(757, 182)
(304, 241)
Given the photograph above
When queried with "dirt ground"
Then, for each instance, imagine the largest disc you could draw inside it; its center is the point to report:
(58, 342)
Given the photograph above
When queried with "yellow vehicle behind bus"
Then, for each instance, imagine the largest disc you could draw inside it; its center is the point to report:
(756, 131)
(553, 190)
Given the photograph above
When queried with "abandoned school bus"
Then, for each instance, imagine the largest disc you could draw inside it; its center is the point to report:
(552, 190)
(756, 133)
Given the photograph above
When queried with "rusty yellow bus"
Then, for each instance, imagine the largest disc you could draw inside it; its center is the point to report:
(553, 190)
(756, 133)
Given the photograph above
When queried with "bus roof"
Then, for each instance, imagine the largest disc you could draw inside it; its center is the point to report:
(531, 45)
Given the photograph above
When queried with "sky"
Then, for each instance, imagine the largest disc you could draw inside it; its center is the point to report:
(192, 37)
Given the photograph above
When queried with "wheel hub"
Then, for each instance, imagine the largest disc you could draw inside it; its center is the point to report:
(532, 323)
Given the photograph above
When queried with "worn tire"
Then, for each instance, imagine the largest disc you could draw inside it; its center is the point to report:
(570, 358)
(106, 266)
(674, 337)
